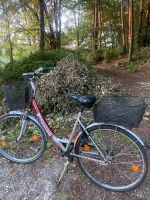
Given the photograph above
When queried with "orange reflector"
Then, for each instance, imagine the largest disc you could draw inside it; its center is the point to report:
(3, 144)
(86, 147)
(35, 137)
(135, 168)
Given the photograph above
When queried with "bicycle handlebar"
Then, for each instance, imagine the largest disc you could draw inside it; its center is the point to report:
(41, 70)
(32, 75)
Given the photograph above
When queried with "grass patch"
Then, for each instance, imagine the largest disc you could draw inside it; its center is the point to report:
(132, 66)
(63, 195)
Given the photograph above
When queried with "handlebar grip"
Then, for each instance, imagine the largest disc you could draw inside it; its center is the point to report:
(42, 70)
(28, 76)
(46, 70)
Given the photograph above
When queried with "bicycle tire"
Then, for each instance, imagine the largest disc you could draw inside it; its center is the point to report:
(29, 147)
(115, 176)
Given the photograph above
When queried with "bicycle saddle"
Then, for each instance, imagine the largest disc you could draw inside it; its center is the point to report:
(86, 101)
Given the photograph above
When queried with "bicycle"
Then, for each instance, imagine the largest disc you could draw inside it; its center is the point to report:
(111, 156)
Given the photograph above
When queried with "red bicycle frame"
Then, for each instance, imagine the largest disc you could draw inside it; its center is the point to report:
(59, 142)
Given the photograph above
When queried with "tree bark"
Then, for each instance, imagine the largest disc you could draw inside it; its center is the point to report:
(59, 23)
(100, 23)
(42, 25)
(139, 38)
(123, 26)
(50, 37)
(130, 21)
(95, 24)
(10, 49)
(147, 27)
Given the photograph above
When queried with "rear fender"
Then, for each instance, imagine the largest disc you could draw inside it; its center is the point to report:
(117, 127)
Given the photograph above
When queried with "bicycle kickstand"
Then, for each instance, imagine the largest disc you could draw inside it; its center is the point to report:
(63, 172)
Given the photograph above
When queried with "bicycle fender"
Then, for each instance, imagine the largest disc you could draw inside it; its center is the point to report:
(32, 117)
(117, 127)
(76, 139)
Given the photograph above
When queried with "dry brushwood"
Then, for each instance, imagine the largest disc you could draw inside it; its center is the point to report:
(69, 76)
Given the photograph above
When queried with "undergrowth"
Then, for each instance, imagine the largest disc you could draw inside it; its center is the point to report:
(48, 59)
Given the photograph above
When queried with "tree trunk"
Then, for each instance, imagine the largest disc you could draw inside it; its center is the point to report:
(57, 16)
(100, 23)
(147, 28)
(123, 26)
(10, 49)
(59, 24)
(42, 25)
(95, 24)
(130, 21)
(50, 37)
(78, 24)
(139, 38)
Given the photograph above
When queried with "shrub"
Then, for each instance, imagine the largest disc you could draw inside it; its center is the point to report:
(132, 67)
(81, 55)
(109, 54)
(120, 51)
(33, 61)
(95, 56)
(142, 53)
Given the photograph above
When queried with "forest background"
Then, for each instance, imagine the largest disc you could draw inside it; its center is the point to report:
(39, 33)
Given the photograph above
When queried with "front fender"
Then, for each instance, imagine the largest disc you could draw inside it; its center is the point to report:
(32, 117)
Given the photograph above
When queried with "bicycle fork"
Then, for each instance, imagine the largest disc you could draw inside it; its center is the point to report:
(23, 126)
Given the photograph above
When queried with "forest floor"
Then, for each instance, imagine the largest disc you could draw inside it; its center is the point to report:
(37, 181)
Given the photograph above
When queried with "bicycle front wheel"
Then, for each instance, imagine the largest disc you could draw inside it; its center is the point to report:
(18, 145)
(112, 158)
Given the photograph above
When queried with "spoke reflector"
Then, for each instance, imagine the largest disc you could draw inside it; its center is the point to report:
(35, 137)
(86, 147)
(3, 144)
(135, 168)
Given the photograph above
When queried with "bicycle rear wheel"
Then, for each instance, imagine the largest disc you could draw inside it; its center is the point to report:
(21, 148)
(124, 165)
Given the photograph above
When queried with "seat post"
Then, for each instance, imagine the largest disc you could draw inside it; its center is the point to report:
(82, 109)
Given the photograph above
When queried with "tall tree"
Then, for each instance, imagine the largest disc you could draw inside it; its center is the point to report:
(123, 25)
(42, 25)
(95, 24)
(59, 24)
(100, 22)
(147, 26)
(130, 21)
(139, 37)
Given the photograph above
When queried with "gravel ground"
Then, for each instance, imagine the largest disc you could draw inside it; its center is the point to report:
(35, 181)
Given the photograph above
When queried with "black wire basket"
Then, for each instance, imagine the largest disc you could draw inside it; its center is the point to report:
(126, 111)
(17, 94)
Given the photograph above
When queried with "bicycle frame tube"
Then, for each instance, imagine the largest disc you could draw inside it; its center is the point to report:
(44, 123)
(48, 129)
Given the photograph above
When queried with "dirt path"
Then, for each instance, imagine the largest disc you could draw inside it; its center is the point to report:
(137, 83)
